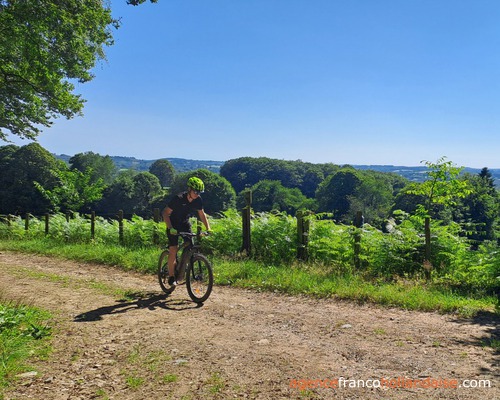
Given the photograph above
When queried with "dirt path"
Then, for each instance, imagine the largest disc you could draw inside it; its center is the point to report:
(240, 344)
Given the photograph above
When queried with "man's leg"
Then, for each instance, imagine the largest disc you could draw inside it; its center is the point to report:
(172, 252)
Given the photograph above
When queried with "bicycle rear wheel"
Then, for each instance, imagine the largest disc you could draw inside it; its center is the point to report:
(163, 273)
(199, 278)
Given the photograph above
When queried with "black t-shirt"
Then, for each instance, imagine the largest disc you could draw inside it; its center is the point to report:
(182, 209)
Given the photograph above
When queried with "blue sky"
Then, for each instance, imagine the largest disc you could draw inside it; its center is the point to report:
(349, 82)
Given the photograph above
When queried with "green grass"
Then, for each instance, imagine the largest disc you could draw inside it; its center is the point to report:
(23, 334)
(299, 278)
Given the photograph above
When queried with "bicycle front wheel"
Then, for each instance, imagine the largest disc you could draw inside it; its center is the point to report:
(199, 278)
(163, 273)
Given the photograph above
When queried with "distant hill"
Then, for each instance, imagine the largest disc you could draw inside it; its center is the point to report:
(416, 174)
(180, 164)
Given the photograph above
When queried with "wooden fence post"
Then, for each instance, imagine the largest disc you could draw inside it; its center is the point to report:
(303, 225)
(47, 224)
(120, 226)
(66, 233)
(427, 261)
(156, 219)
(92, 225)
(358, 223)
(246, 214)
(27, 221)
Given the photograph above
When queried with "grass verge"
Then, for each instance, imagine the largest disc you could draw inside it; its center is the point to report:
(306, 279)
(23, 336)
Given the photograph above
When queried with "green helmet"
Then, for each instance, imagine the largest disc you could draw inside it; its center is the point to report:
(196, 184)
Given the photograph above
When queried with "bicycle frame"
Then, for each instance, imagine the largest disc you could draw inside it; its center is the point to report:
(192, 268)
(187, 249)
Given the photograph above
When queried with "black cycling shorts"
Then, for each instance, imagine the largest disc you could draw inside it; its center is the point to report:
(173, 240)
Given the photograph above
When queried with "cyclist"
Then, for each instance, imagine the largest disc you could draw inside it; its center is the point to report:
(176, 216)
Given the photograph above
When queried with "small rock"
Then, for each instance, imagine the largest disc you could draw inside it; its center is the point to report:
(346, 326)
(30, 374)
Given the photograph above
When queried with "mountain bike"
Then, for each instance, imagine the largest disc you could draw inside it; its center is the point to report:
(191, 268)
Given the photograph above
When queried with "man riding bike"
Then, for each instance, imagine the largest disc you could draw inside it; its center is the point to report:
(176, 216)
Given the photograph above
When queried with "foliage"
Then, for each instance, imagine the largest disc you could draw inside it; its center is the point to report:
(102, 167)
(225, 239)
(442, 188)
(44, 46)
(396, 254)
(273, 196)
(247, 171)
(145, 187)
(479, 211)
(274, 237)
(20, 168)
(334, 193)
(331, 244)
(131, 192)
(164, 171)
(219, 195)
(74, 191)
(21, 331)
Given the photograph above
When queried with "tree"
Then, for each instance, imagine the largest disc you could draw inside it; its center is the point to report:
(335, 192)
(146, 187)
(118, 195)
(442, 188)
(486, 175)
(479, 210)
(273, 196)
(45, 46)
(219, 194)
(374, 196)
(247, 171)
(75, 190)
(28, 164)
(164, 171)
(102, 167)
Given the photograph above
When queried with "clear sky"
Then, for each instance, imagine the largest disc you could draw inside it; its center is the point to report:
(342, 81)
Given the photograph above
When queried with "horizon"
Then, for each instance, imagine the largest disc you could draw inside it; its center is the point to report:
(358, 83)
(223, 161)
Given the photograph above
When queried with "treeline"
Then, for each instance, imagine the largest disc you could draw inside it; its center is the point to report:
(33, 180)
(448, 194)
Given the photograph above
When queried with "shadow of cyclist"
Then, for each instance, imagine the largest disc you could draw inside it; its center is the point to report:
(136, 301)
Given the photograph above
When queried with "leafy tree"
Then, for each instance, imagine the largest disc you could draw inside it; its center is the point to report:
(479, 211)
(28, 164)
(219, 195)
(311, 176)
(374, 196)
(334, 194)
(75, 190)
(273, 196)
(164, 171)
(102, 167)
(145, 187)
(119, 195)
(247, 171)
(487, 177)
(132, 192)
(442, 188)
(46, 45)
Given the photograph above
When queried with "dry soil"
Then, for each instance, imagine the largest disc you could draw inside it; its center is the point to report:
(239, 344)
